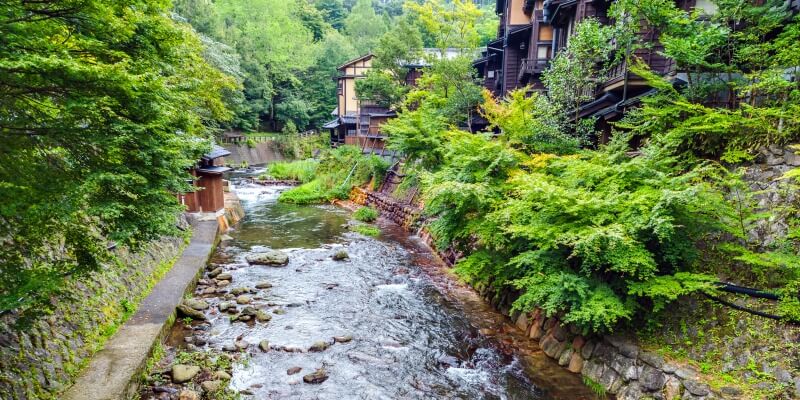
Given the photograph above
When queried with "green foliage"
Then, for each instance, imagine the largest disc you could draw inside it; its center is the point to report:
(339, 170)
(364, 26)
(366, 214)
(104, 106)
(367, 230)
(302, 171)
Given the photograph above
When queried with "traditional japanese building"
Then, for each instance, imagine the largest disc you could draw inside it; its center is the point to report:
(209, 195)
(531, 32)
(357, 122)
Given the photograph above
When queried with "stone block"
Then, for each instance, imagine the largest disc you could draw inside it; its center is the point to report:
(652, 359)
(696, 388)
(588, 350)
(536, 332)
(575, 362)
(578, 342)
(652, 379)
(551, 346)
(565, 357)
(522, 322)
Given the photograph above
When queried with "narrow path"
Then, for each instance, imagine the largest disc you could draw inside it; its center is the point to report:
(109, 375)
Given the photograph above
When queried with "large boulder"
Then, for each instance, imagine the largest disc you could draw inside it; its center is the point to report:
(184, 373)
(270, 257)
(196, 304)
(190, 312)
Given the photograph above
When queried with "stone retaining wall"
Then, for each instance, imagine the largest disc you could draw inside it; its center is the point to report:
(41, 360)
(402, 214)
(615, 362)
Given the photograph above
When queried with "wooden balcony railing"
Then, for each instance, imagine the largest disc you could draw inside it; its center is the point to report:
(531, 67)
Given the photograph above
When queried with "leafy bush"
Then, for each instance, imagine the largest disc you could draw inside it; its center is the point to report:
(301, 171)
(338, 172)
(366, 214)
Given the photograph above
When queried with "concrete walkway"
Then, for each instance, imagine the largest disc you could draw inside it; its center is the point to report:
(111, 373)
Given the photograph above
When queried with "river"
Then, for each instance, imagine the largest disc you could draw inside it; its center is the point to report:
(417, 333)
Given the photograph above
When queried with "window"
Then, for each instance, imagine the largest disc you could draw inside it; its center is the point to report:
(543, 52)
(490, 74)
(340, 88)
(545, 32)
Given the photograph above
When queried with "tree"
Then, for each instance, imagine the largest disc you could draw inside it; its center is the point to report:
(397, 49)
(103, 107)
(364, 26)
(333, 11)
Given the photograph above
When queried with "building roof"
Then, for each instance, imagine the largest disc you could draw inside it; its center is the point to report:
(213, 170)
(335, 111)
(216, 152)
(355, 60)
(332, 124)
(349, 119)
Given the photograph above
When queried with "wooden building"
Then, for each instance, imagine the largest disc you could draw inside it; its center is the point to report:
(358, 122)
(209, 194)
(531, 32)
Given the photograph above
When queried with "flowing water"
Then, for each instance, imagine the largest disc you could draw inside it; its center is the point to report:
(417, 333)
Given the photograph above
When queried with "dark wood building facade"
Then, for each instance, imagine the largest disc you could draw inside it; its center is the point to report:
(209, 194)
(531, 32)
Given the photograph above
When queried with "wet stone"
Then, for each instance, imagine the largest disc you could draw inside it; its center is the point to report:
(263, 345)
(196, 304)
(343, 339)
(263, 285)
(244, 299)
(211, 386)
(340, 256)
(188, 395)
(187, 311)
(184, 373)
(316, 377)
(262, 316)
(225, 276)
(293, 370)
(270, 258)
(240, 290)
(319, 346)
(215, 272)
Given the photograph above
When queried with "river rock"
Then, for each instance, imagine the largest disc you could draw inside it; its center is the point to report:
(225, 276)
(241, 344)
(244, 318)
(196, 304)
(293, 370)
(319, 346)
(211, 386)
(244, 299)
(696, 388)
(279, 311)
(188, 395)
(249, 311)
(215, 272)
(316, 377)
(340, 255)
(271, 257)
(222, 284)
(343, 339)
(263, 345)
(187, 311)
(240, 290)
(184, 373)
(262, 316)
(225, 306)
(263, 285)
(222, 376)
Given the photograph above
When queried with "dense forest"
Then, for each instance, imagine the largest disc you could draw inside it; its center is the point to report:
(285, 53)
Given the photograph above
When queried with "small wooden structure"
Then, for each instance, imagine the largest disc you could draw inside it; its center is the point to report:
(209, 195)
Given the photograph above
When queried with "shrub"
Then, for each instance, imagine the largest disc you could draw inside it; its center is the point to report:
(338, 171)
(302, 170)
(366, 214)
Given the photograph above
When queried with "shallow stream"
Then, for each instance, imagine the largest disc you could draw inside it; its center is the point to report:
(416, 332)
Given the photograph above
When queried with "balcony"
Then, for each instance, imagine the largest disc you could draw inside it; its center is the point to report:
(531, 66)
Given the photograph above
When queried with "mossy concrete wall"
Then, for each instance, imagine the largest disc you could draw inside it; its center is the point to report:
(40, 359)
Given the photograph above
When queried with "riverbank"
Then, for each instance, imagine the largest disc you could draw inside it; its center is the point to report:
(341, 314)
(614, 364)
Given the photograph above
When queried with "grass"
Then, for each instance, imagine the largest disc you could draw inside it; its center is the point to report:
(367, 230)
(595, 387)
(336, 174)
(302, 171)
(366, 214)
